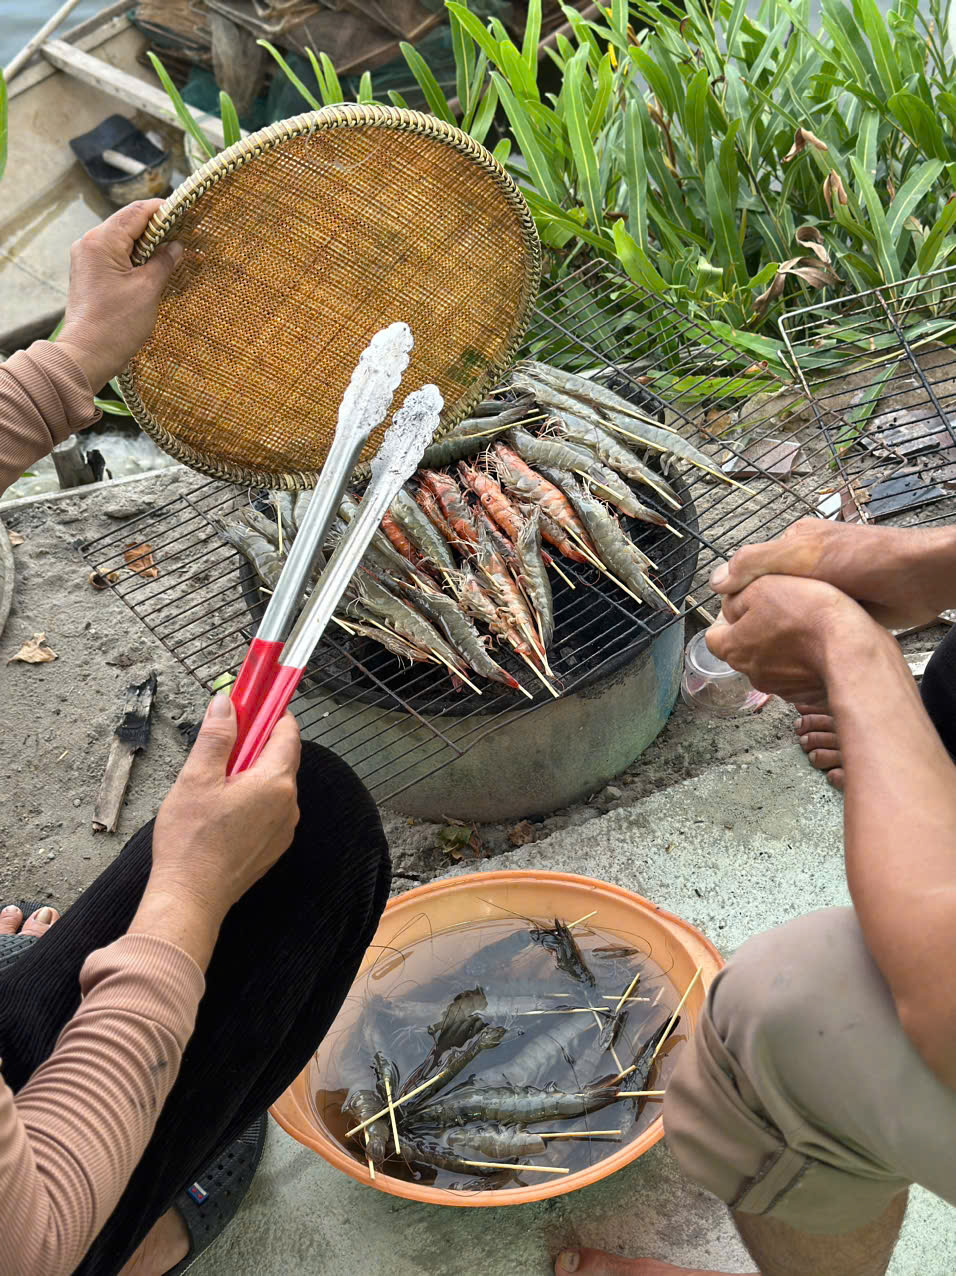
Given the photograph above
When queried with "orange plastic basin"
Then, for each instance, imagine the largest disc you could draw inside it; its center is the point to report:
(445, 904)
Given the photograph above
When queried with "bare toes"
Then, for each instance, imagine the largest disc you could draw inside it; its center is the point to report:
(819, 740)
(813, 722)
(10, 920)
(39, 923)
(825, 759)
(595, 1262)
(835, 777)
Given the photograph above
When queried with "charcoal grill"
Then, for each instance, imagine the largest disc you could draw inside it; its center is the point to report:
(436, 752)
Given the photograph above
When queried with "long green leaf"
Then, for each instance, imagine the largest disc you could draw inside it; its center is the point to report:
(696, 119)
(463, 50)
(930, 250)
(476, 29)
(867, 139)
(602, 96)
(532, 34)
(724, 224)
(883, 55)
(920, 124)
(582, 147)
(656, 77)
(547, 212)
(3, 123)
(919, 183)
(635, 174)
(485, 114)
(231, 130)
(527, 142)
(885, 246)
(636, 262)
(291, 76)
(365, 90)
(179, 106)
(437, 102)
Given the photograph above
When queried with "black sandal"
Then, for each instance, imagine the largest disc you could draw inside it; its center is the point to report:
(14, 946)
(210, 1204)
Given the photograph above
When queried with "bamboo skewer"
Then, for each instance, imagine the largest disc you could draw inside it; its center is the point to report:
(391, 1112)
(371, 1167)
(637, 1094)
(579, 1134)
(586, 917)
(538, 674)
(504, 1165)
(552, 562)
(680, 1005)
(397, 1104)
(630, 988)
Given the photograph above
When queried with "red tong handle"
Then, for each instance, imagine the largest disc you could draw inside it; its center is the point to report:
(272, 705)
(250, 689)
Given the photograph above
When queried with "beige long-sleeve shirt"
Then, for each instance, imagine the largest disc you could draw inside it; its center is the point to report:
(72, 1136)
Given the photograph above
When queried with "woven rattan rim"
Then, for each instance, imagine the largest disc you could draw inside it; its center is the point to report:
(348, 115)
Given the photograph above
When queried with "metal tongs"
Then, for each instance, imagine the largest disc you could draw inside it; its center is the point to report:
(276, 659)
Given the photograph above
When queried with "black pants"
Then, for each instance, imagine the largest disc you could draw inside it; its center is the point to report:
(286, 957)
(938, 689)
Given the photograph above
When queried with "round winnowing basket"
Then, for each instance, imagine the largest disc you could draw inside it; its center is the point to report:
(301, 242)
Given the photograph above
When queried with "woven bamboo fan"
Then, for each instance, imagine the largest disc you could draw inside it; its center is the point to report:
(301, 242)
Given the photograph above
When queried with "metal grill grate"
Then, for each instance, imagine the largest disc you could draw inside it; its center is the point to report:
(881, 369)
(396, 726)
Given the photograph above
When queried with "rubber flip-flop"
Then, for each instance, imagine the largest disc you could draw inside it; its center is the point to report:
(210, 1204)
(14, 946)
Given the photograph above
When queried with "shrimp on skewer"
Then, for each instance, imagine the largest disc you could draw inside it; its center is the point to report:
(462, 634)
(615, 454)
(517, 475)
(534, 577)
(410, 517)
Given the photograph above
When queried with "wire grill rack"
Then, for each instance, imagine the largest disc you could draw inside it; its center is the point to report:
(880, 371)
(396, 725)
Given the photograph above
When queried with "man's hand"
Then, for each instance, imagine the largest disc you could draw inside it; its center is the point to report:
(216, 836)
(784, 634)
(111, 306)
(901, 576)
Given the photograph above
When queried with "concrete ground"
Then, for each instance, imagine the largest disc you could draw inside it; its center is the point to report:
(724, 824)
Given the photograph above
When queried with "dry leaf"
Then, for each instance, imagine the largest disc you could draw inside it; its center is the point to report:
(34, 651)
(833, 187)
(522, 834)
(810, 237)
(15, 539)
(139, 559)
(803, 138)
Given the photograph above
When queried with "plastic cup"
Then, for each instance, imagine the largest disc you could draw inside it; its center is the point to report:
(712, 687)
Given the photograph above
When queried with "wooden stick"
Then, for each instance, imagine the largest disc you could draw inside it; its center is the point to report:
(31, 46)
(586, 917)
(673, 1019)
(537, 673)
(504, 1165)
(371, 1167)
(701, 611)
(579, 1134)
(564, 1010)
(630, 988)
(391, 1112)
(397, 1104)
(130, 737)
(637, 1094)
(552, 562)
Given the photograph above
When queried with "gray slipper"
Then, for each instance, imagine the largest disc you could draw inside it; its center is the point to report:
(209, 1205)
(14, 946)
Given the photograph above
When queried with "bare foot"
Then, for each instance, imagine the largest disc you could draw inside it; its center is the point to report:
(165, 1245)
(818, 740)
(38, 923)
(595, 1262)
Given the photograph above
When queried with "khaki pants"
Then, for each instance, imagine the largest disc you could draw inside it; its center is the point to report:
(800, 1096)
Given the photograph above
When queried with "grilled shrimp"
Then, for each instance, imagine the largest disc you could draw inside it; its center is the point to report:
(615, 454)
(391, 642)
(493, 500)
(422, 533)
(461, 633)
(572, 456)
(490, 1139)
(400, 541)
(513, 1104)
(451, 502)
(618, 552)
(259, 552)
(534, 577)
(502, 546)
(557, 939)
(506, 593)
(531, 486)
(302, 502)
(360, 1105)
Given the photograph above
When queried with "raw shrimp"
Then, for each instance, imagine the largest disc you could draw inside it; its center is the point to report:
(557, 939)
(453, 1061)
(490, 1139)
(534, 577)
(423, 1148)
(302, 502)
(543, 1054)
(284, 503)
(405, 620)
(262, 555)
(571, 456)
(261, 524)
(421, 532)
(617, 551)
(615, 454)
(383, 1068)
(515, 1104)
(461, 633)
(360, 1105)
(391, 642)
(470, 436)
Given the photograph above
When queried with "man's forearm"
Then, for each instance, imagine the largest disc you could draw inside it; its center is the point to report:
(930, 560)
(900, 836)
